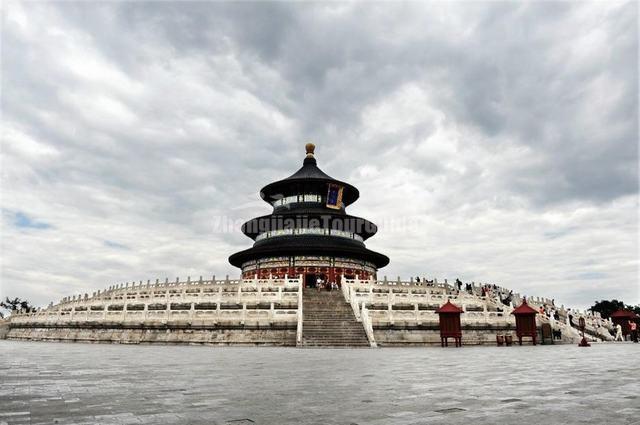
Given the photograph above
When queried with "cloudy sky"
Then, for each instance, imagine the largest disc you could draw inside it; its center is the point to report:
(494, 142)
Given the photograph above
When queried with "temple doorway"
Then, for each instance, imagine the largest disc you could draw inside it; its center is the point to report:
(310, 280)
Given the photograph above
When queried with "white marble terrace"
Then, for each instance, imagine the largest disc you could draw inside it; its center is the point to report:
(269, 301)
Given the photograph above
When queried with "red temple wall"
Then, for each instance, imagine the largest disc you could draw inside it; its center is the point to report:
(331, 273)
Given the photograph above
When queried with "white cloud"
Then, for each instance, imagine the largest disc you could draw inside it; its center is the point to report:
(490, 141)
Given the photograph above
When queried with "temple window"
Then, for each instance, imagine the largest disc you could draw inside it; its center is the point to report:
(306, 197)
(309, 231)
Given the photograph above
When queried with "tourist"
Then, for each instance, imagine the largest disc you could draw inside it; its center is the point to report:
(618, 333)
(633, 327)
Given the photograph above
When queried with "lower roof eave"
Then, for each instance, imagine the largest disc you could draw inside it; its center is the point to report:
(364, 254)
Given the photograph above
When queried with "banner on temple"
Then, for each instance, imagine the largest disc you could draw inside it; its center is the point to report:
(334, 196)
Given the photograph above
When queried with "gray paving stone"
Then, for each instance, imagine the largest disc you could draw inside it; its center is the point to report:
(41, 383)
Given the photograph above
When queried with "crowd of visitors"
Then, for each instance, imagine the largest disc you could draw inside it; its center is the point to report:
(322, 284)
(557, 317)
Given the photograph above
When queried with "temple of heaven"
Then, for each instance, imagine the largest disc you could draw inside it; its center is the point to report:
(309, 232)
(307, 238)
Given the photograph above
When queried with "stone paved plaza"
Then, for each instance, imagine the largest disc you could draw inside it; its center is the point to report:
(67, 383)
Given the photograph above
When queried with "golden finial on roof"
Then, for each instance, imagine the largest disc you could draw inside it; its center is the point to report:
(310, 147)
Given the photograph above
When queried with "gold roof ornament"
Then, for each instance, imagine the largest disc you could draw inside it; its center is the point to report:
(310, 147)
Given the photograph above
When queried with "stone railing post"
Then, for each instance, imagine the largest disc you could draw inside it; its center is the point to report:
(300, 315)
(368, 326)
(345, 291)
(354, 304)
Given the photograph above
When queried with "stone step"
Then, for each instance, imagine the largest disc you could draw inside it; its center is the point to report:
(326, 310)
(324, 306)
(335, 344)
(344, 338)
(328, 318)
(355, 338)
(332, 328)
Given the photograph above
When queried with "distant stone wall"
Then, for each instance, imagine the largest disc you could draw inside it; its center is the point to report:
(227, 312)
(283, 335)
(4, 328)
(423, 335)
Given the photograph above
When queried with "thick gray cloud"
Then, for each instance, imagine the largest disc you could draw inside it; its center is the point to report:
(494, 142)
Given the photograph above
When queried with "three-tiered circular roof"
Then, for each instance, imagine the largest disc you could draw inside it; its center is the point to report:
(309, 218)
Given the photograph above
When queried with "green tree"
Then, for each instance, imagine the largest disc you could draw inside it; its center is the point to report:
(608, 307)
(16, 304)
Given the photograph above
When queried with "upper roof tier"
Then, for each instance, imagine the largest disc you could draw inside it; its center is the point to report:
(308, 179)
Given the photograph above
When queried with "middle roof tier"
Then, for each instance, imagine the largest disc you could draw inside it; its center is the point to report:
(309, 219)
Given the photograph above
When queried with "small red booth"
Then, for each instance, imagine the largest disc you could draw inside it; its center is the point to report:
(450, 324)
(622, 318)
(525, 322)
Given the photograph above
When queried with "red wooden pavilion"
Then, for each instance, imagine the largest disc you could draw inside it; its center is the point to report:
(622, 317)
(525, 322)
(450, 324)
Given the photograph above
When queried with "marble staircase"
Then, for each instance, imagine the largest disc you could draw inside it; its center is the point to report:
(328, 321)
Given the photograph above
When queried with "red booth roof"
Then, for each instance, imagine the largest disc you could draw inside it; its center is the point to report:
(524, 308)
(449, 308)
(625, 313)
